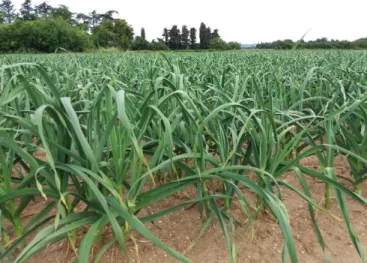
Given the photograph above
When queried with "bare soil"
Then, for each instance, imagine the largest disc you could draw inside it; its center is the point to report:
(265, 244)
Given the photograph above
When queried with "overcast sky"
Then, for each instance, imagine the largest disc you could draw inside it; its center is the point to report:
(237, 20)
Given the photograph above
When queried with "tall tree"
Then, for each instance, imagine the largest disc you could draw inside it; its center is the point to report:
(94, 18)
(203, 36)
(185, 42)
(208, 37)
(165, 35)
(82, 18)
(193, 37)
(108, 16)
(27, 11)
(2, 17)
(142, 33)
(8, 11)
(83, 21)
(215, 34)
(62, 12)
(43, 9)
(174, 38)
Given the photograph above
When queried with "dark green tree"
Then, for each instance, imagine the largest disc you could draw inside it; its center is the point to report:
(174, 38)
(108, 16)
(208, 35)
(165, 35)
(185, 42)
(193, 38)
(83, 20)
(140, 43)
(43, 10)
(27, 11)
(2, 17)
(8, 11)
(205, 36)
(62, 12)
(94, 19)
(142, 33)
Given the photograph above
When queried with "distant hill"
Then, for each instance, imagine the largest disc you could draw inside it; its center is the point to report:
(248, 45)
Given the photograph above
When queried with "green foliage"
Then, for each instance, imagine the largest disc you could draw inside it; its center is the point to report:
(193, 38)
(2, 17)
(142, 33)
(107, 32)
(205, 36)
(285, 44)
(158, 45)
(321, 43)
(7, 11)
(165, 35)
(360, 43)
(94, 19)
(185, 42)
(234, 45)
(218, 44)
(174, 38)
(42, 36)
(108, 16)
(27, 12)
(140, 43)
(6, 42)
(117, 33)
(187, 39)
(43, 10)
(215, 34)
(62, 12)
(83, 20)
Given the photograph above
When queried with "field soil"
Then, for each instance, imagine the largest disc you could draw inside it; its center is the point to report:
(263, 244)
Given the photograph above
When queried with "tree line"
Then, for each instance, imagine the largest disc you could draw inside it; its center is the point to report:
(320, 43)
(185, 39)
(44, 28)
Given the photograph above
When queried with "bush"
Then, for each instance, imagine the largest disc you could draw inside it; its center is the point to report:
(158, 45)
(42, 36)
(218, 44)
(7, 43)
(234, 45)
(140, 44)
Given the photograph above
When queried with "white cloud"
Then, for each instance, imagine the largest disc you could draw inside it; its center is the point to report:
(239, 20)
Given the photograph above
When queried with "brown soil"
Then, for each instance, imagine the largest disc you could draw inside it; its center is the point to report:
(180, 229)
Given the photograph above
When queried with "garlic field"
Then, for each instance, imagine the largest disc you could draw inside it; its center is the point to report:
(103, 137)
